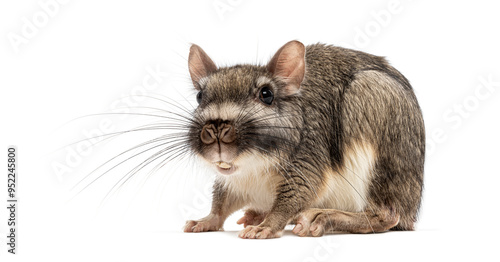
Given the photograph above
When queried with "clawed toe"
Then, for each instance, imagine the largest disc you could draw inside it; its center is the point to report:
(310, 223)
(258, 232)
(251, 218)
(202, 225)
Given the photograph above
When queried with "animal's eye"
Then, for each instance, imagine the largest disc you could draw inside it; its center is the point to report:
(199, 96)
(266, 95)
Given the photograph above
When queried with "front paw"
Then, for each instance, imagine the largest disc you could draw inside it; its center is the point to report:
(259, 232)
(251, 218)
(202, 225)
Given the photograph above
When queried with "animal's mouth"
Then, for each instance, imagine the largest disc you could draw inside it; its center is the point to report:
(225, 168)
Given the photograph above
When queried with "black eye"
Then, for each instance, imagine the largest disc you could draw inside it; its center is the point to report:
(266, 95)
(199, 96)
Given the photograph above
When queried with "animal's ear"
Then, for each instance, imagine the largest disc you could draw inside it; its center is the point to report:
(200, 65)
(289, 64)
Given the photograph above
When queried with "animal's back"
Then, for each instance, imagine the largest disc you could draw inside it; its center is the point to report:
(375, 132)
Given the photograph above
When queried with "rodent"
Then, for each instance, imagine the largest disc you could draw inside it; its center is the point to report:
(326, 138)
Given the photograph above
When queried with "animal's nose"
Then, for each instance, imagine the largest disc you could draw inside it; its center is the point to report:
(222, 132)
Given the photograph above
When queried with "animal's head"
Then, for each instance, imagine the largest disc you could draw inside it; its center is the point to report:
(246, 113)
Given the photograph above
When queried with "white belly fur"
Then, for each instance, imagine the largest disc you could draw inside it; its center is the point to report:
(347, 189)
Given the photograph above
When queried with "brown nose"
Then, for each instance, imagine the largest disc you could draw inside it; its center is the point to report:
(223, 132)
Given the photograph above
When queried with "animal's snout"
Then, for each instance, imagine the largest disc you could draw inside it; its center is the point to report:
(218, 131)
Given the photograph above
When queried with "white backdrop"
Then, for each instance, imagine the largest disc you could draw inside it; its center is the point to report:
(63, 60)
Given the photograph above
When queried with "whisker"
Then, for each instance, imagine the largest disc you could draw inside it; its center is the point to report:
(177, 104)
(114, 134)
(139, 167)
(182, 152)
(162, 138)
(134, 114)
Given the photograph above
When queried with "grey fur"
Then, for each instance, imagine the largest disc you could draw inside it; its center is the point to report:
(346, 98)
